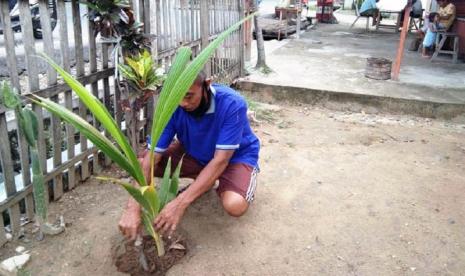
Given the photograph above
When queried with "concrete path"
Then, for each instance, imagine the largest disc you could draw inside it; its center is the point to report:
(333, 58)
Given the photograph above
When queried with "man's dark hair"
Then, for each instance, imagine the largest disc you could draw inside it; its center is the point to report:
(201, 77)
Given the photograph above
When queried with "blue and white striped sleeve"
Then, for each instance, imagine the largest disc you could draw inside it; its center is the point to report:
(231, 132)
(165, 138)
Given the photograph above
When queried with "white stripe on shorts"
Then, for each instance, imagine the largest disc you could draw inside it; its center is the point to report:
(249, 196)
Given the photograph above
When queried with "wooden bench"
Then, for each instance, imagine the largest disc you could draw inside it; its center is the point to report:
(441, 38)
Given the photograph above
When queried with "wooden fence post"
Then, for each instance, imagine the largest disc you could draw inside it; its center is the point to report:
(204, 31)
(79, 55)
(242, 33)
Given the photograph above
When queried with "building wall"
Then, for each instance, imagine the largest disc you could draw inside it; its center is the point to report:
(460, 6)
(459, 25)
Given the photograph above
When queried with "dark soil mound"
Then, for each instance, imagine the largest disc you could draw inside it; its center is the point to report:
(127, 256)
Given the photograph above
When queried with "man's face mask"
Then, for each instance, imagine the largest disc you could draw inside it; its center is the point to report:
(204, 103)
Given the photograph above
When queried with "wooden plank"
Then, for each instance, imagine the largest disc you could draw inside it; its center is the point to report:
(78, 38)
(3, 239)
(65, 62)
(158, 12)
(15, 219)
(193, 29)
(30, 207)
(93, 68)
(216, 10)
(79, 72)
(9, 42)
(171, 26)
(106, 91)
(175, 9)
(64, 43)
(146, 15)
(28, 42)
(6, 159)
(204, 31)
(140, 11)
(242, 33)
(165, 23)
(51, 80)
(47, 39)
(151, 13)
(227, 46)
(185, 21)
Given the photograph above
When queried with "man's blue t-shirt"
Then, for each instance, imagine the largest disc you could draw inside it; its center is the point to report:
(224, 126)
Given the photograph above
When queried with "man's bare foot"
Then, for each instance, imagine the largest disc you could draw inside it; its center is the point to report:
(426, 56)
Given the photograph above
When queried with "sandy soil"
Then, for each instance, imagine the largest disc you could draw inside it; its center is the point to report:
(339, 194)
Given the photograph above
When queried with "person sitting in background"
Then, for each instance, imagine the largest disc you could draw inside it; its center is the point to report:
(447, 13)
(369, 8)
(430, 37)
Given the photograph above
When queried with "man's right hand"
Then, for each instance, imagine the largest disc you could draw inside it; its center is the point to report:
(130, 222)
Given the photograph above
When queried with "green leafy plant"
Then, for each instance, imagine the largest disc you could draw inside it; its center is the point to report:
(28, 126)
(141, 71)
(143, 79)
(181, 76)
(114, 20)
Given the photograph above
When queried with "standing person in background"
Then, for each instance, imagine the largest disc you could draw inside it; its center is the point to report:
(431, 33)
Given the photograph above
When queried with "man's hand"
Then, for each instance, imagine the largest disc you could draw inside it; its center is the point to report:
(130, 222)
(168, 219)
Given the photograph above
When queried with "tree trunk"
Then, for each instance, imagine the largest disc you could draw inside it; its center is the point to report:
(261, 59)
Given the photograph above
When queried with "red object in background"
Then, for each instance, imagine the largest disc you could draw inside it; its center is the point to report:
(324, 11)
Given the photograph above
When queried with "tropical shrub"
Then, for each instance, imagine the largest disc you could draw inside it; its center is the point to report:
(28, 126)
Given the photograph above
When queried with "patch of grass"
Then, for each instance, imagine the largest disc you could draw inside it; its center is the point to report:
(23, 272)
(261, 113)
(265, 70)
(284, 124)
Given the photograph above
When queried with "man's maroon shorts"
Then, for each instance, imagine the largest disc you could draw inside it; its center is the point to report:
(239, 178)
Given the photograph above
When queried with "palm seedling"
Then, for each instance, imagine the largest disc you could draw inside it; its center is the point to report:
(182, 74)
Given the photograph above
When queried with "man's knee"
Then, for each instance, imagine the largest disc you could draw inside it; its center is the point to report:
(234, 204)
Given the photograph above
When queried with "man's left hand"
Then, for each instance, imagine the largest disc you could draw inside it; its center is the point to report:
(168, 219)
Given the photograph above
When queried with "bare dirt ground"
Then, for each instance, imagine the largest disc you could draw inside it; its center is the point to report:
(338, 194)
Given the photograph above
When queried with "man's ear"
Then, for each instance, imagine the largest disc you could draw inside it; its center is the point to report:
(208, 81)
